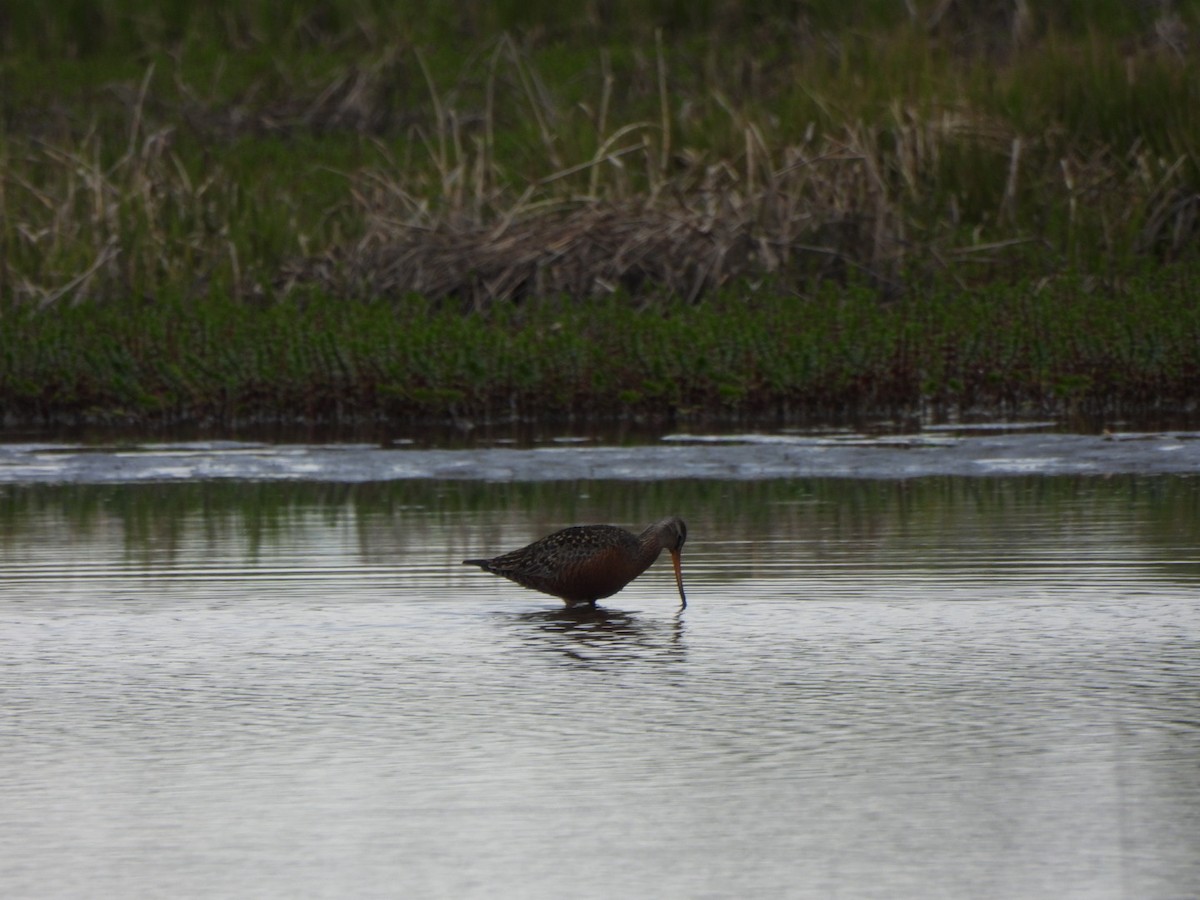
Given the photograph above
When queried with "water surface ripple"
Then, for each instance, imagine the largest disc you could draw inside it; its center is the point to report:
(749, 456)
(941, 688)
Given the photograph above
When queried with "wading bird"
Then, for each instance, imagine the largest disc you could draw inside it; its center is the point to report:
(587, 563)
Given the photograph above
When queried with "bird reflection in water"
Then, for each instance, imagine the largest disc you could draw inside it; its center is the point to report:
(595, 634)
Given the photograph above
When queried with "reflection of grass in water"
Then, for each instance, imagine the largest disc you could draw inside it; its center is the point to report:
(154, 521)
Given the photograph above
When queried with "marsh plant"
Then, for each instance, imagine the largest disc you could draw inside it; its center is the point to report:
(533, 211)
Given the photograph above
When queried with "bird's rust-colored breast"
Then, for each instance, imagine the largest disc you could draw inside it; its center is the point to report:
(597, 575)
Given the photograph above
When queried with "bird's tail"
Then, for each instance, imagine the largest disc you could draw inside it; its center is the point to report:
(482, 563)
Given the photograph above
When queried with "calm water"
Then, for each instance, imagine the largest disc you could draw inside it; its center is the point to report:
(942, 687)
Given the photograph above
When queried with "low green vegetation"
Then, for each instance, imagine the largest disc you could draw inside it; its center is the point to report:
(354, 210)
(1065, 346)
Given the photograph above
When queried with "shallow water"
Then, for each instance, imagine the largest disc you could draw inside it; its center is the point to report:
(972, 452)
(939, 687)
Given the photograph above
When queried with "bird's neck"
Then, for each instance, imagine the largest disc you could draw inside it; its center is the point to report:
(649, 551)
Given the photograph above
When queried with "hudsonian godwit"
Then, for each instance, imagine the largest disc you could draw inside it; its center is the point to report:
(587, 563)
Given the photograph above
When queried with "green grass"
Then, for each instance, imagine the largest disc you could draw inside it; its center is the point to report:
(1066, 346)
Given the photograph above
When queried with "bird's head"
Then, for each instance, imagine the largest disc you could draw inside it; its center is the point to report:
(671, 533)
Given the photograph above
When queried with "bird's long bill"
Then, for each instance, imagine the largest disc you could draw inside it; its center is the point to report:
(678, 578)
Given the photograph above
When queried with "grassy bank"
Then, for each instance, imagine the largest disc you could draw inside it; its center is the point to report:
(353, 209)
(1052, 347)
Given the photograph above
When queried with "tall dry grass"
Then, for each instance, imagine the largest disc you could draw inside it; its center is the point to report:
(945, 141)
